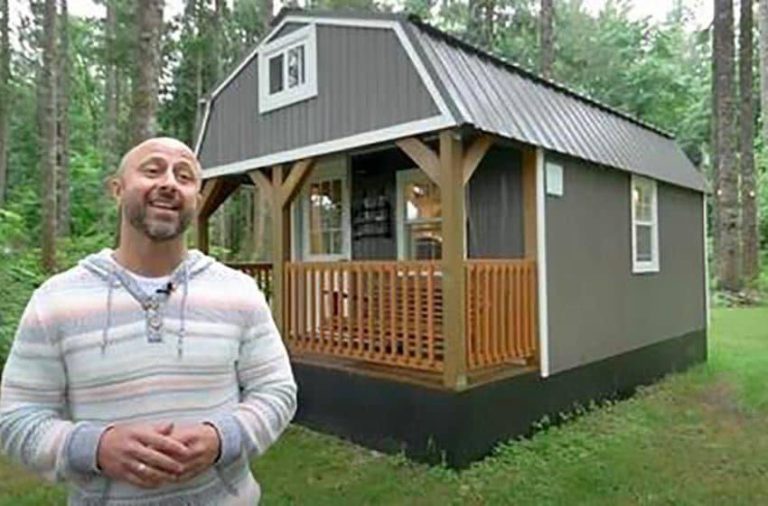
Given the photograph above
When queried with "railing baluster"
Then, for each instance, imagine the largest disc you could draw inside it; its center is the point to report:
(380, 318)
(431, 313)
(393, 330)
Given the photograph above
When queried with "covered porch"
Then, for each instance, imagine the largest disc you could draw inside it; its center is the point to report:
(394, 279)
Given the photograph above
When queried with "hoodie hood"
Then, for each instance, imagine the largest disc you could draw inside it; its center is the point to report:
(103, 265)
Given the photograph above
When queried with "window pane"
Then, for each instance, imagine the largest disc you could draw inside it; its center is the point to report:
(422, 201)
(276, 74)
(642, 199)
(644, 249)
(295, 66)
(325, 217)
(424, 240)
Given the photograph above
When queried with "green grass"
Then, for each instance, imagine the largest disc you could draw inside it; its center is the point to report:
(693, 439)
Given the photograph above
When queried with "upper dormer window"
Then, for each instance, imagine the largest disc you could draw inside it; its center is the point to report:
(288, 69)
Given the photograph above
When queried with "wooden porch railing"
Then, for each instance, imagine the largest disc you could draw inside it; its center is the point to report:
(384, 312)
(260, 271)
(501, 312)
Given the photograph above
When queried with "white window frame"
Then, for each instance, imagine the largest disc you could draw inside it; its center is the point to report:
(404, 177)
(307, 37)
(554, 179)
(649, 266)
(326, 170)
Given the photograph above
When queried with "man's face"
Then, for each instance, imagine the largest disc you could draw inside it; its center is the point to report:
(158, 188)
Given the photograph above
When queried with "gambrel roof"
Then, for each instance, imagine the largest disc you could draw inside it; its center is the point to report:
(471, 87)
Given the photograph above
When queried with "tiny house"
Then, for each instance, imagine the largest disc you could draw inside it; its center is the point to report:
(459, 247)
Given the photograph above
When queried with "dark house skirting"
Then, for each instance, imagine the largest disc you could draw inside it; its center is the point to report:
(435, 426)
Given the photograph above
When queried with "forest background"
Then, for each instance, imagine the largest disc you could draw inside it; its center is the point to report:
(77, 91)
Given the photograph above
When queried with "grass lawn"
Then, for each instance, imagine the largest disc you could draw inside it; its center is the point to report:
(695, 438)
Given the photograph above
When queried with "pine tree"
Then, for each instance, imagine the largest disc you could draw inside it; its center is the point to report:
(47, 139)
(5, 96)
(750, 260)
(727, 198)
(149, 22)
(62, 137)
(546, 39)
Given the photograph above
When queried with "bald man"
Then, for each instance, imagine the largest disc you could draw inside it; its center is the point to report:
(149, 374)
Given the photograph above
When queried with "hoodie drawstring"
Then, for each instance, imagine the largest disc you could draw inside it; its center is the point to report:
(183, 311)
(108, 323)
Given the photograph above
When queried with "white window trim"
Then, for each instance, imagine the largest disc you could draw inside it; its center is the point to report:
(641, 267)
(404, 177)
(307, 37)
(333, 168)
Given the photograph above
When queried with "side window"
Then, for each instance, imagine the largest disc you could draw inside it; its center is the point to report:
(645, 225)
(288, 69)
(325, 207)
(419, 216)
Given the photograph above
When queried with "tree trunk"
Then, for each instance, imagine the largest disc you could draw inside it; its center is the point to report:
(475, 22)
(219, 37)
(728, 254)
(109, 133)
(47, 140)
(149, 16)
(750, 254)
(546, 39)
(5, 96)
(62, 180)
(489, 19)
(268, 6)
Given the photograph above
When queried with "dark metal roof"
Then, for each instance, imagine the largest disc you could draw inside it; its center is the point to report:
(499, 97)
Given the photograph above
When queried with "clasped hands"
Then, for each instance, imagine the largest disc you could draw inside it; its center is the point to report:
(149, 456)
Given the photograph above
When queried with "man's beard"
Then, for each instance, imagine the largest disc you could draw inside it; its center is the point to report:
(158, 230)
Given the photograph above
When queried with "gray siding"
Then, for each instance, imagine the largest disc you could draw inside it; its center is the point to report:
(495, 206)
(365, 82)
(597, 307)
(372, 175)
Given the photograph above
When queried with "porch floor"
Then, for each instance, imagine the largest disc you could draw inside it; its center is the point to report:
(429, 379)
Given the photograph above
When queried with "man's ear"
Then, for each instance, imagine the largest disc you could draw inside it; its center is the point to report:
(116, 188)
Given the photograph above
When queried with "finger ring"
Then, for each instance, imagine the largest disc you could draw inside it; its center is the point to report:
(141, 467)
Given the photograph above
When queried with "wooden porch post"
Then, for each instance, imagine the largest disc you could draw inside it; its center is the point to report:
(283, 190)
(202, 234)
(280, 245)
(454, 254)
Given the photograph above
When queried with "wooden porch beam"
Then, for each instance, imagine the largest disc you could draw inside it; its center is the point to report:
(292, 184)
(423, 156)
(221, 189)
(263, 184)
(454, 254)
(209, 187)
(475, 155)
(207, 192)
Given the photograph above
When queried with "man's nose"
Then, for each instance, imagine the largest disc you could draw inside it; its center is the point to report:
(169, 181)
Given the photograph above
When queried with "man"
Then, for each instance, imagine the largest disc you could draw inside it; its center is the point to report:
(148, 374)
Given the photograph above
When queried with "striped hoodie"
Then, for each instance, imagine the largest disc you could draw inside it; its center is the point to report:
(93, 349)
